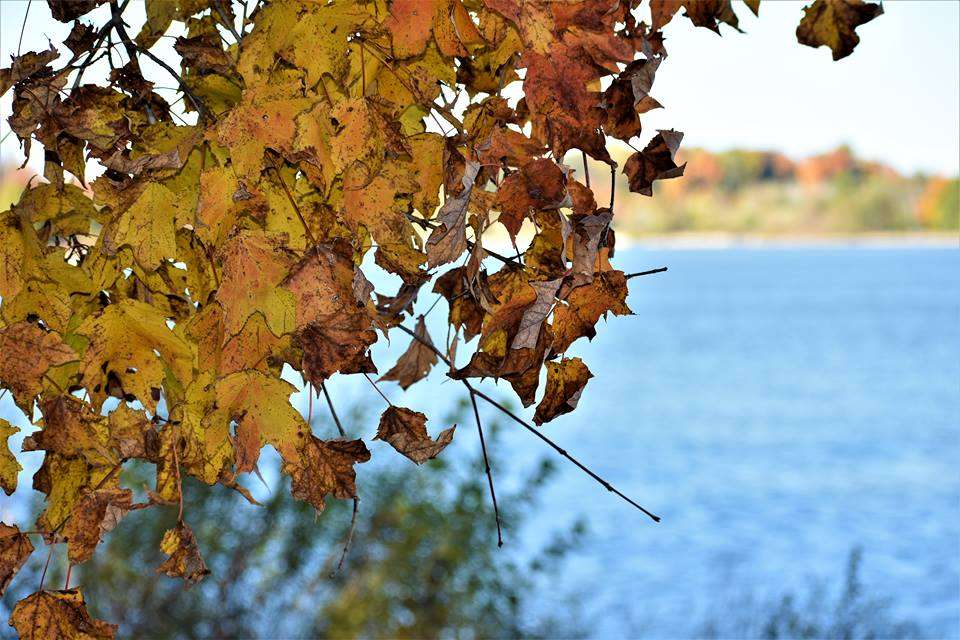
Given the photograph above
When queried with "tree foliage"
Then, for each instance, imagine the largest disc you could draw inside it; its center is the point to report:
(213, 254)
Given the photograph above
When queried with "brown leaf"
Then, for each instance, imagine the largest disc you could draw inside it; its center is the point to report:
(15, 548)
(628, 96)
(58, 615)
(28, 353)
(416, 361)
(655, 162)
(9, 466)
(25, 66)
(662, 12)
(585, 305)
(335, 342)
(449, 240)
(185, 560)
(833, 23)
(565, 382)
(528, 332)
(67, 10)
(95, 515)
(406, 431)
(324, 468)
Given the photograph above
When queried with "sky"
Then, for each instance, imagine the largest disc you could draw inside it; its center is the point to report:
(896, 99)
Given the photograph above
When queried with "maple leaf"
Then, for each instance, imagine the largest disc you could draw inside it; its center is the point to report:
(540, 184)
(324, 467)
(413, 22)
(585, 305)
(15, 548)
(406, 431)
(416, 361)
(94, 515)
(628, 96)
(565, 382)
(25, 66)
(260, 405)
(655, 162)
(255, 263)
(833, 23)
(29, 353)
(52, 615)
(121, 356)
(184, 559)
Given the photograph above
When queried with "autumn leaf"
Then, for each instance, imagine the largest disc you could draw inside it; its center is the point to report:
(52, 615)
(449, 240)
(184, 559)
(324, 468)
(29, 353)
(15, 548)
(833, 23)
(565, 382)
(655, 162)
(416, 361)
(9, 467)
(584, 307)
(406, 431)
(95, 515)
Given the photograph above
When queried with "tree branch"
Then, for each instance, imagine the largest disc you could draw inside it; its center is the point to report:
(645, 273)
(563, 452)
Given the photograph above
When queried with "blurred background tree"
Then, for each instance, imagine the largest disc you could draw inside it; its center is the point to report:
(423, 560)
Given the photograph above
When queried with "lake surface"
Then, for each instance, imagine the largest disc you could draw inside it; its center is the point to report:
(777, 408)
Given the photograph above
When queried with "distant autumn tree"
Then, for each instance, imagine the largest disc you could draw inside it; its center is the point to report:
(148, 313)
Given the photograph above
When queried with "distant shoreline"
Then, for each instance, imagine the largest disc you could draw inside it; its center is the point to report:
(726, 240)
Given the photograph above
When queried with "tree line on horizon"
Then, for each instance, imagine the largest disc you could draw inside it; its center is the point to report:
(744, 190)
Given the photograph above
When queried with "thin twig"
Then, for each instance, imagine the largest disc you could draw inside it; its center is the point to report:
(346, 544)
(225, 20)
(43, 575)
(293, 203)
(176, 462)
(133, 48)
(530, 428)
(23, 27)
(586, 169)
(486, 464)
(645, 273)
(370, 380)
(333, 412)
(426, 224)
(613, 184)
(356, 500)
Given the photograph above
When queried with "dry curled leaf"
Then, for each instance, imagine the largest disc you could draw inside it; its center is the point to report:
(406, 431)
(9, 467)
(655, 162)
(833, 23)
(15, 548)
(58, 615)
(565, 382)
(94, 515)
(184, 559)
(417, 361)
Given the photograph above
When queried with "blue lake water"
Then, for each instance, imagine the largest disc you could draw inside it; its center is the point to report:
(778, 408)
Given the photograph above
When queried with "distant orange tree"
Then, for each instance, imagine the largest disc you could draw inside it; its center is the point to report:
(212, 255)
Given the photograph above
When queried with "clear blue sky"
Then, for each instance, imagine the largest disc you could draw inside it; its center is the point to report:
(896, 99)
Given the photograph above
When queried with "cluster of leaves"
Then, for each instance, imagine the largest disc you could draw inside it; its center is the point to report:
(212, 255)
